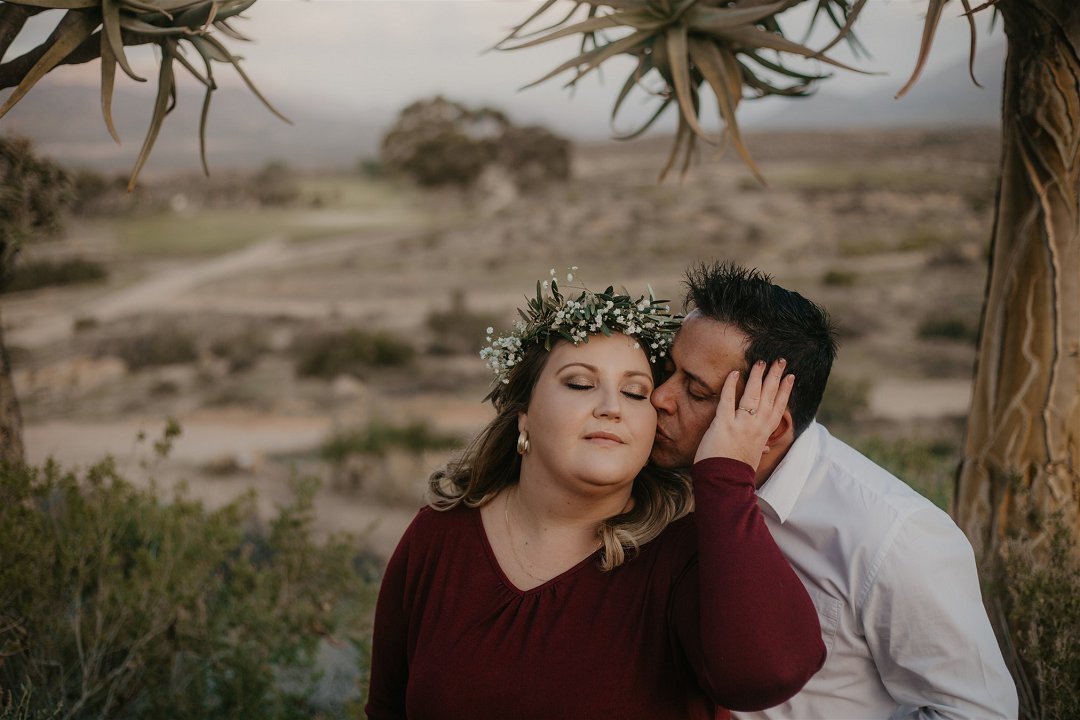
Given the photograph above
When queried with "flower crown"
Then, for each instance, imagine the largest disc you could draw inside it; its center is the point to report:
(551, 315)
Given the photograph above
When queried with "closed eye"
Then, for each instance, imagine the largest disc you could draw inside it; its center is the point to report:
(578, 386)
(634, 395)
(698, 396)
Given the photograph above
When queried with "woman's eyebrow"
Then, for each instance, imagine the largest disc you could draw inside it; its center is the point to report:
(593, 368)
(577, 364)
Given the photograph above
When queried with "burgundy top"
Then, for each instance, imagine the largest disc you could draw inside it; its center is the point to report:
(708, 615)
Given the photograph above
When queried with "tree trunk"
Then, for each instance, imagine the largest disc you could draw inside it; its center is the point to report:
(11, 438)
(1024, 429)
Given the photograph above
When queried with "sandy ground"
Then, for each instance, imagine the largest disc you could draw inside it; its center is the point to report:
(901, 256)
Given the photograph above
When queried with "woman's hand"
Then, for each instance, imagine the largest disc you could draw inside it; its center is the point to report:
(741, 433)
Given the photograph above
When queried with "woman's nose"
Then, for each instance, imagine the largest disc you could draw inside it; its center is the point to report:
(609, 404)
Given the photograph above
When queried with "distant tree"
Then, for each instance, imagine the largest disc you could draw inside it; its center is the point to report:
(275, 185)
(440, 142)
(534, 155)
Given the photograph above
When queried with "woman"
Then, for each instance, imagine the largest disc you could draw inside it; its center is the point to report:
(564, 578)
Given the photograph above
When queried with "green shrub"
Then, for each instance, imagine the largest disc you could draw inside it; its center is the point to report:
(35, 191)
(925, 238)
(34, 274)
(379, 438)
(84, 324)
(928, 466)
(21, 708)
(274, 185)
(844, 401)
(947, 328)
(117, 604)
(241, 350)
(165, 345)
(458, 329)
(839, 278)
(351, 352)
(370, 168)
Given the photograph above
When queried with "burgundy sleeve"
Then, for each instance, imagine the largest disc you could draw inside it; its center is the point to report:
(389, 654)
(743, 618)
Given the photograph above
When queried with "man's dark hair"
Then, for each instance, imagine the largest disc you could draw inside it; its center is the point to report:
(779, 323)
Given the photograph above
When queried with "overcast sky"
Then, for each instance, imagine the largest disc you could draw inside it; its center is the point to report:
(378, 55)
(391, 52)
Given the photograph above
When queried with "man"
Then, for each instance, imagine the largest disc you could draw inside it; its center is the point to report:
(892, 577)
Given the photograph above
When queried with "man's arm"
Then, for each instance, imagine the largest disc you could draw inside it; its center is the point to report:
(926, 626)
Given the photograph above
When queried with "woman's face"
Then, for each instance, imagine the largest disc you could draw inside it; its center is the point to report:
(590, 421)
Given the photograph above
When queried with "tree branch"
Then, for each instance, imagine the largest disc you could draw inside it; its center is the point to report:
(13, 71)
(12, 19)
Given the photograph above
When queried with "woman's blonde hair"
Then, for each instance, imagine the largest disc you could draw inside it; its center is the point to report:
(491, 463)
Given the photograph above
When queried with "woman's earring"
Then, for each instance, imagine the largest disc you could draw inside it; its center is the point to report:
(523, 442)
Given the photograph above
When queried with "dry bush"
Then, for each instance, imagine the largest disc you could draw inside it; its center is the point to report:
(114, 603)
(844, 401)
(457, 329)
(35, 274)
(352, 352)
(1040, 593)
(165, 344)
(948, 327)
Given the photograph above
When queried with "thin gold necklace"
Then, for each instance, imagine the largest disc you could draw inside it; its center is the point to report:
(510, 537)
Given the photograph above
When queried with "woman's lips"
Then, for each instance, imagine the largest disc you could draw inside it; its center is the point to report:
(604, 438)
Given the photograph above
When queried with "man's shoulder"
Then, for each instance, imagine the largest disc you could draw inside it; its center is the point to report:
(864, 493)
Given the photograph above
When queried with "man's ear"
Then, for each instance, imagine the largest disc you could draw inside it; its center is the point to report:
(781, 433)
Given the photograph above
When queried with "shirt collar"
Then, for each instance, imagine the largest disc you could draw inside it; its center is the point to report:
(785, 484)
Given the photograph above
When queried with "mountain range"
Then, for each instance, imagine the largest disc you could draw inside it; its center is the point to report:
(65, 121)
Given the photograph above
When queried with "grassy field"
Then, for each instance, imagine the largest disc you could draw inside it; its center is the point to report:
(326, 206)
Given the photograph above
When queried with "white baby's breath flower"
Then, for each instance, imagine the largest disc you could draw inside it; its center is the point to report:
(555, 316)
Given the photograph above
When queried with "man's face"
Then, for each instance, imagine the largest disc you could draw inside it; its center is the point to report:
(703, 354)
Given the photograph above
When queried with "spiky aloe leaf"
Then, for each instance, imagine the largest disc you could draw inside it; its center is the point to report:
(721, 71)
(108, 80)
(670, 38)
(162, 105)
(933, 17)
(73, 28)
(110, 21)
(115, 24)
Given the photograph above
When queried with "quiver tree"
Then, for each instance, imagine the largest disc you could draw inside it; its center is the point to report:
(1019, 477)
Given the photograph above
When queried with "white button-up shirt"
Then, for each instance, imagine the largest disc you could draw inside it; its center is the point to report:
(896, 589)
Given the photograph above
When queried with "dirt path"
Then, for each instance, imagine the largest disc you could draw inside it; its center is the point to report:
(905, 400)
(177, 288)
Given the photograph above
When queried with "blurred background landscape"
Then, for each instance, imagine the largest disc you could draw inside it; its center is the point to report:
(316, 306)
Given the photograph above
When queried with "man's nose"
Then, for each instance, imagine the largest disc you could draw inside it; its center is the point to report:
(663, 397)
